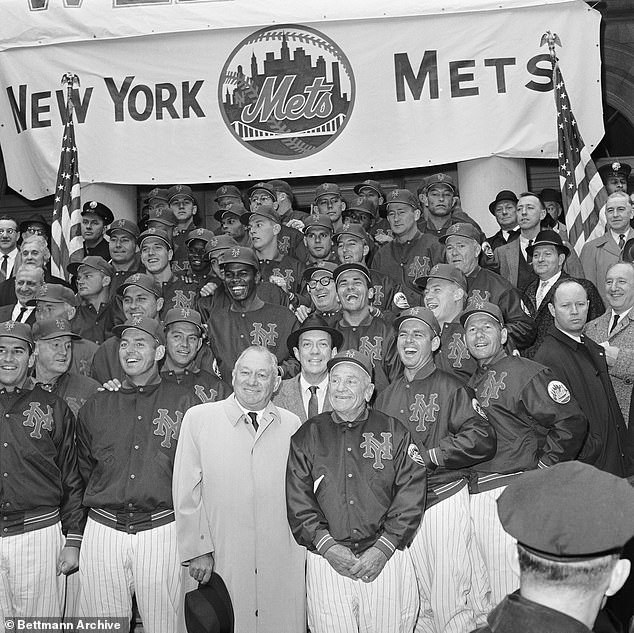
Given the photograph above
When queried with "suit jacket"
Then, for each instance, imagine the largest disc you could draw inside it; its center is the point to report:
(498, 240)
(7, 311)
(542, 316)
(597, 256)
(289, 397)
(622, 372)
(508, 256)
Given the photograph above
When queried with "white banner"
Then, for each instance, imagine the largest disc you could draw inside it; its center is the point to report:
(296, 99)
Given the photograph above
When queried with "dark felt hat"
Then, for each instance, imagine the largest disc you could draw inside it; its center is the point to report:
(208, 609)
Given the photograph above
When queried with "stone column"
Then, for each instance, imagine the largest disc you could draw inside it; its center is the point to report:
(121, 199)
(479, 181)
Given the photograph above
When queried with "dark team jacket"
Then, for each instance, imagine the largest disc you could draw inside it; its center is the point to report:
(537, 421)
(485, 285)
(375, 338)
(180, 259)
(126, 443)
(204, 385)
(583, 368)
(94, 325)
(40, 482)
(447, 423)
(385, 289)
(178, 293)
(453, 355)
(360, 484)
(285, 266)
(407, 261)
(268, 325)
(74, 389)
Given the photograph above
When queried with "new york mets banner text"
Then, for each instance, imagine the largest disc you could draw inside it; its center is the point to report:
(295, 99)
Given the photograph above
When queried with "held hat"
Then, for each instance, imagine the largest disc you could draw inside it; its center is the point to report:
(208, 609)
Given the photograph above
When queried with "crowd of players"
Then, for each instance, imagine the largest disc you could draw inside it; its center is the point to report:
(419, 368)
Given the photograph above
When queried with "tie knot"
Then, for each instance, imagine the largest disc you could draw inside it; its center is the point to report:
(313, 389)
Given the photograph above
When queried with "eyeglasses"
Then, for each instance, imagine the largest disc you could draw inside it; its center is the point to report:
(324, 281)
(7, 231)
(33, 230)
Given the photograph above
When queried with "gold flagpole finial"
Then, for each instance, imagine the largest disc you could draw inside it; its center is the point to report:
(551, 39)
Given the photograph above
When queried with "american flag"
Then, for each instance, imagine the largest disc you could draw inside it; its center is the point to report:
(582, 190)
(66, 231)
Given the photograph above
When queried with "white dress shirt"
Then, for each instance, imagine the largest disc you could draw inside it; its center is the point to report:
(321, 393)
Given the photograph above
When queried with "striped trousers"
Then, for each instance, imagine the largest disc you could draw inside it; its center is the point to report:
(339, 604)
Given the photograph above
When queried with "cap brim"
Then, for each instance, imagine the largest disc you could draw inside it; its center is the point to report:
(333, 362)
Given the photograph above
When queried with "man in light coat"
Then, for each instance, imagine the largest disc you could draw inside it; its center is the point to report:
(230, 503)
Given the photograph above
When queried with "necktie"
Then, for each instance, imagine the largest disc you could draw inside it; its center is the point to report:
(526, 251)
(4, 267)
(23, 310)
(621, 241)
(541, 292)
(254, 420)
(313, 406)
(614, 322)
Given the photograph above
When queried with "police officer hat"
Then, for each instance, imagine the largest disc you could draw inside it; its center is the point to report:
(208, 609)
(568, 512)
(614, 169)
(99, 209)
(314, 322)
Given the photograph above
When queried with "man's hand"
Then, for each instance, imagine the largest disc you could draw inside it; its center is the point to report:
(200, 568)
(279, 281)
(383, 238)
(341, 559)
(296, 224)
(611, 352)
(208, 289)
(302, 312)
(114, 384)
(68, 560)
(369, 565)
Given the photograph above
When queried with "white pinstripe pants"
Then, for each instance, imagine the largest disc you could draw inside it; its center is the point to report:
(338, 604)
(115, 565)
(496, 546)
(29, 584)
(452, 577)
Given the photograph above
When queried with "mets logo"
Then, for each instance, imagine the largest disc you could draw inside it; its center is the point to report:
(287, 275)
(181, 301)
(166, 427)
(265, 338)
(286, 92)
(373, 350)
(38, 420)
(457, 350)
(284, 245)
(424, 411)
(372, 448)
(377, 299)
(419, 267)
(476, 300)
(199, 390)
(492, 387)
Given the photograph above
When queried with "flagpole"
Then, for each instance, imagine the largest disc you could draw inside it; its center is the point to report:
(65, 230)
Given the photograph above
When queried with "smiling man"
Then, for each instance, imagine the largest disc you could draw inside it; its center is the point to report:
(127, 443)
(28, 281)
(41, 495)
(236, 523)
(355, 488)
(452, 434)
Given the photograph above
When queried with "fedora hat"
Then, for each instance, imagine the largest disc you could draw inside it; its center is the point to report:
(208, 609)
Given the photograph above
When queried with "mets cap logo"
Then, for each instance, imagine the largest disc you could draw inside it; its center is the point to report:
(286, 92)
(434, 270)
(222, 191)
(9, 325)
(120, 222)
(394, 194)
(59, 323)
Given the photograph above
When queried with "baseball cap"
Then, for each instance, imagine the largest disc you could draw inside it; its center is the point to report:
(219, 243)
(364, 206)
(199, 234)
(319, 267)
(184, 315)
(141, 280)
(462, 229)
(269, 213)
(145, 324)
(352, 266)
(157, 233)
(180, 191)
(352, 356)
(559, 513)
(437, 179)
(100, 209)
(402, 195)
(262, 186)
(92, 261)
(158, 194)
(54, 293)
(52, 328)
(162, 216)
(484, 307)
(421, 314)
(227, 191)
(281, 186)
(239, 255)
(327, 188)
(369, 184)
(124, 225)
(356, 230)
(443, 271)
(317, 220)
(15, 329)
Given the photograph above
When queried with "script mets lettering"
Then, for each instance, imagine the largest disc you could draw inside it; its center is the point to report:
(284, 245)
(423, 411)
(374, 351)
(377, 300)
(199, 390)
(181, 301)
(260, 336)
(419, 267)
(457, 350)
(492, 387)
(37, 419)
(372, 448)
(166, 427)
